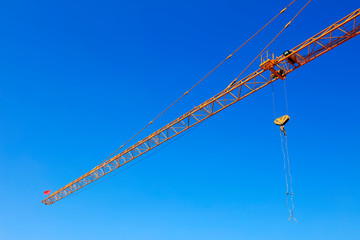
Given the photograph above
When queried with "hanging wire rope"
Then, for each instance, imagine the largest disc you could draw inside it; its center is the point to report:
(273, 98)
(286, 101)
(286, 156)
(290, 180)
(222, 62)
(286, 177)
(288, 174)
(286, 159)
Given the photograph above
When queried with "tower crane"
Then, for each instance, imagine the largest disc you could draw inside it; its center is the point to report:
(270, 70)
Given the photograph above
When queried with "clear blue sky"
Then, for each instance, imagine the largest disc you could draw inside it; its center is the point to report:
(78, 78)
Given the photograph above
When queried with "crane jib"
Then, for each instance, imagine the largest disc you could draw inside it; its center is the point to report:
(271, 69)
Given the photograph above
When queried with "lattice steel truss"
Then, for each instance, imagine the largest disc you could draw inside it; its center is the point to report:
(269, 71)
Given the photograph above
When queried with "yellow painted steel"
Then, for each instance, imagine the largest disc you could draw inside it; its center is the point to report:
(281, 121)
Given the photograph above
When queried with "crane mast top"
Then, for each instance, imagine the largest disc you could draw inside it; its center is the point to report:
(271, 69)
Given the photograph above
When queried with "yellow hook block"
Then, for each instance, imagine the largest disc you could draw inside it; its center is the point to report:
(281, 121)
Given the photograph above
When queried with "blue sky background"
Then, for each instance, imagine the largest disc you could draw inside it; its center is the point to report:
(78, 78)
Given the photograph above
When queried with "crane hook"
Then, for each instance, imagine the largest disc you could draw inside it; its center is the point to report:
(281, 121)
